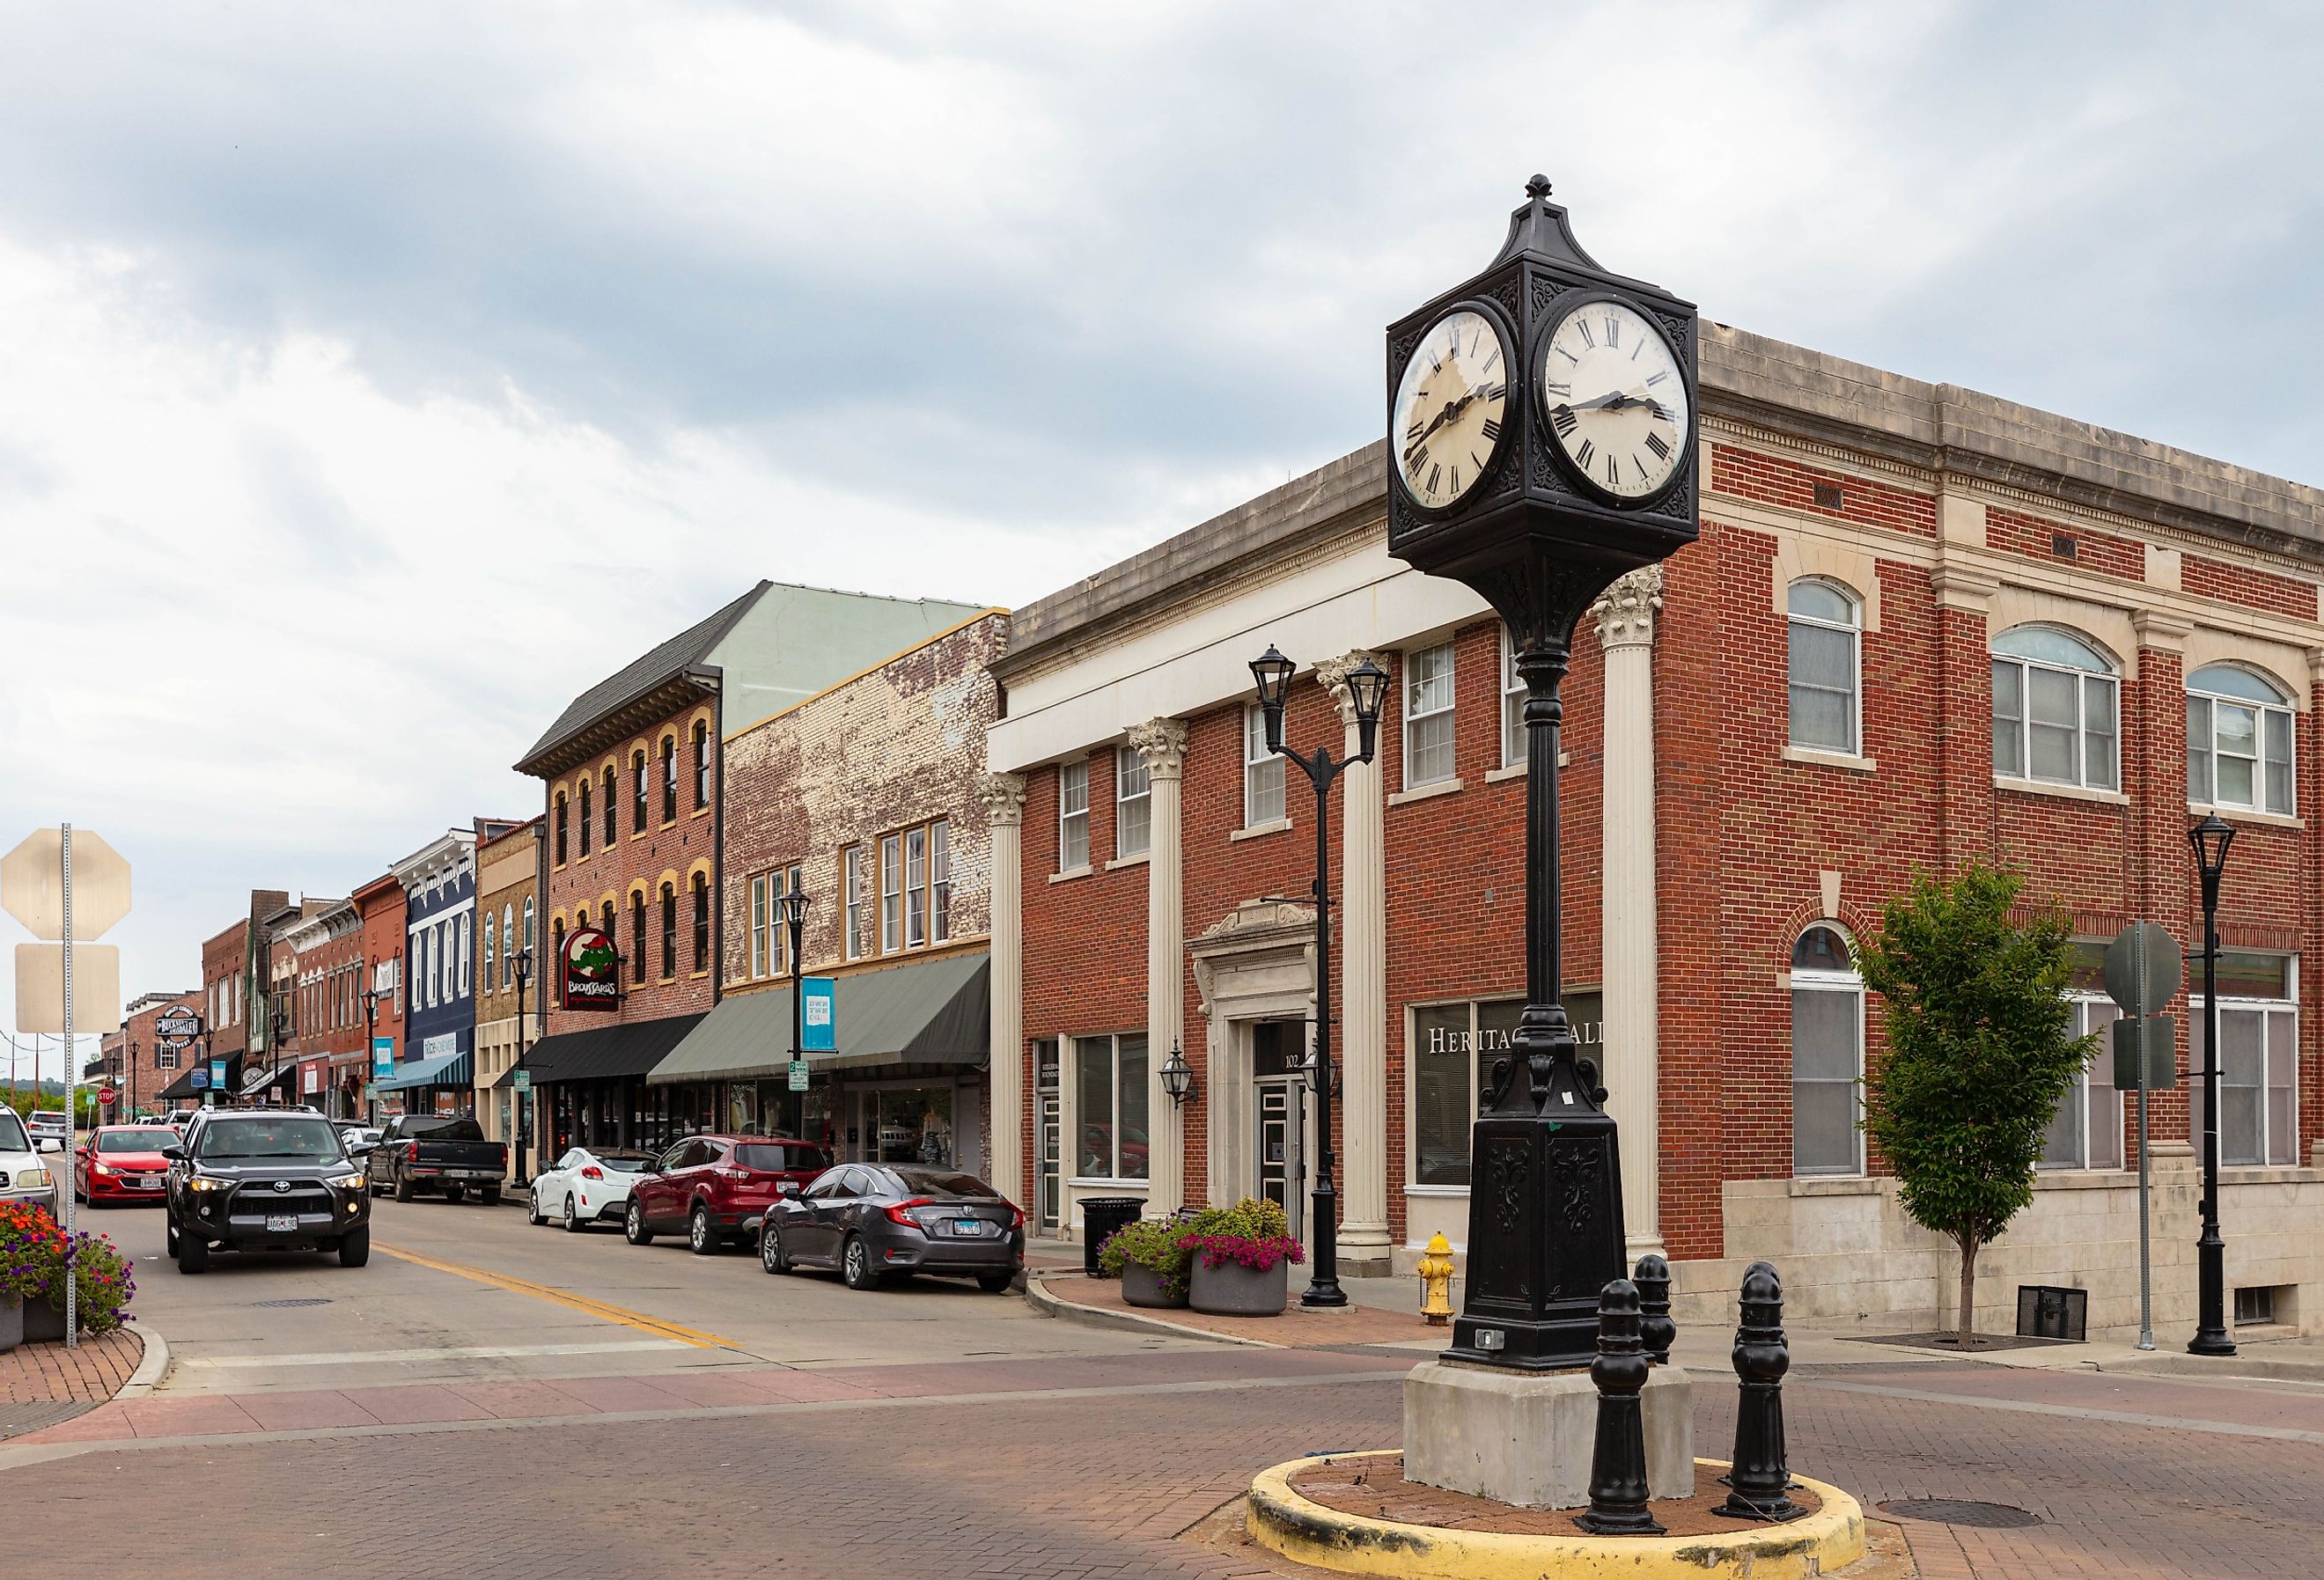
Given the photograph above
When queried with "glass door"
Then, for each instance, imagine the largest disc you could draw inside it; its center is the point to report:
(1052, 1132)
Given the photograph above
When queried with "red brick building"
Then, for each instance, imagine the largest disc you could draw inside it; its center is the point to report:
(324, 1007)
(144, 1068)
(234, 996)
(381, 912)
(1920, 625)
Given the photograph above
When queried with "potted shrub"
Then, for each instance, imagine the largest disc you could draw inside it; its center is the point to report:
(29, 1242)
(1147, 1258)
(1242, 1257)
(107, 1283)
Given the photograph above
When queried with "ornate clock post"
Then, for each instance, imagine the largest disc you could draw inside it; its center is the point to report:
(1541, 444)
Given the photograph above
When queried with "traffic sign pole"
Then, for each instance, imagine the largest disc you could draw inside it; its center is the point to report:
(72, 1103)
(2145, 969)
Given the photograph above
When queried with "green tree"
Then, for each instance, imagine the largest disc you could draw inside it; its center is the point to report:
(1979, 1053)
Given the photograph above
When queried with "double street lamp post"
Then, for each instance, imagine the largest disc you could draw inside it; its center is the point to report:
(2210, 838)
(1367, 688)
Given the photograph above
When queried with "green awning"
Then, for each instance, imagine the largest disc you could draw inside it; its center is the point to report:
(446, 1069)
(930, 1012)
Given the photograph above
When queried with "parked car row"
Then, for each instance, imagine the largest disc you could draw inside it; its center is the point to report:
(867, 1222)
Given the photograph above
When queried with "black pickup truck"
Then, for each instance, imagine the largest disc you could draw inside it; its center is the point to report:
(437, 1153)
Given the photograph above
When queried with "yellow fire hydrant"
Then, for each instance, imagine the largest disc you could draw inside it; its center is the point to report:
(1435, 1269)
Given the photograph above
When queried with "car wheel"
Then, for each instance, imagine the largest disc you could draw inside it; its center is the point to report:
(572, 1215)
(771, 1252)
(634, 1227)
(170, 1233)
(193, 1254)
(855, 1265)
(995, 1283)
(700, 1238)
(355, 1247)
(404, 1191)
(532, 1213)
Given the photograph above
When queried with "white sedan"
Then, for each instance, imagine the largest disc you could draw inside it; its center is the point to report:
(584, 1187)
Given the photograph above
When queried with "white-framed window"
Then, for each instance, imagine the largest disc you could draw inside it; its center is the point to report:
(1428, 715)
(1133, 803)
(784, 881)
(528, 921)
(164, 1058)
(1824, 623)
(508, 933)
(891, 894)
(1513, 700)
(467, 952)
(2086, 1130)
(851, 880)
(1110, 1092)
(1073, 815)
(1826, 1056)
(1451, 1055)
(2056, 709)
(1262, 772)
(2259, 1058)
(915, 888)
(491, 957)
(2239, 736)
(762, 899)
(940, 880)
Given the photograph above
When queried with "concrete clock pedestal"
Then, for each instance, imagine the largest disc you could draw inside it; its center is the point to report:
(1524, 1438)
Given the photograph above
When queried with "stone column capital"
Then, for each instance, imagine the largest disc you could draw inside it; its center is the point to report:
(1626, 610)
(1161, 744)
(1332, 674)
(1003, 795)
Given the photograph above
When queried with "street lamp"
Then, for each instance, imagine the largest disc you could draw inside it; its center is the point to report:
(1177, 1077)
(522, 1136)
(792, 909)
(2210, 838)
(1367, 689)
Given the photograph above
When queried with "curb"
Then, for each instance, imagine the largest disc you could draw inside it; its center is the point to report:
(1050, 1305)
(151, 1367)
(2250, 1367)
(1306, 1532)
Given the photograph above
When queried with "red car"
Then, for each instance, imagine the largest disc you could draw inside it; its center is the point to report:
(123, 1162)
(717, 1188)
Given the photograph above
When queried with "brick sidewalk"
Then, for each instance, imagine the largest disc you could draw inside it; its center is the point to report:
(1297, 1328)
(42, 1385)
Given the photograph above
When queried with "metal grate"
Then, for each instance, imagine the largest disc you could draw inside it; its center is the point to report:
(1960, 1512)
(311, 1300)
(1829, 497)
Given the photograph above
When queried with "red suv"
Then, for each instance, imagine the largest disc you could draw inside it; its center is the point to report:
(717, 1188)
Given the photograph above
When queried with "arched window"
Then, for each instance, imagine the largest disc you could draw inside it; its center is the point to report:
(701, 766)
(2056, 709)
(561, 829)
(605, 912)
(637, 935)
(1826, 1056)
(587, 822)
(1826, 670)
(638, 792)
(556, 943)
(467, 953)
(528, 921)
(491, 953)
(701, 922)
(668, 931)
(508, 931)
(2239, 735)
(613, 806)
(669, 779)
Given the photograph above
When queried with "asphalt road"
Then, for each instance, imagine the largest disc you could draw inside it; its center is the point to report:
(465, 1292)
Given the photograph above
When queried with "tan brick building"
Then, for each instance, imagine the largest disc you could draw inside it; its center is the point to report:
(509, 976)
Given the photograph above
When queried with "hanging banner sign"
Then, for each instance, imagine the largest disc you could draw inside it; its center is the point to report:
(592, 970)
(818, 1016)
(383, 1057)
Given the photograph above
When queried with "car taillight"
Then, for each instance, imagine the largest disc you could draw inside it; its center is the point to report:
(901, 1213)
(1015, 1216)
(593, 1172)
(736, 1175)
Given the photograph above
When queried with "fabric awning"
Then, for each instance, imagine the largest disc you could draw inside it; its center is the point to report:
(446, 1069)
(930, 1012)
(260, 1080)
(183, 1086)
(606, 1052)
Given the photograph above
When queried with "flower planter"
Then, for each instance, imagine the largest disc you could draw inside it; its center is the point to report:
(43, 1323)
(1143, 1286)
(12, 1322)
(1235, 1290)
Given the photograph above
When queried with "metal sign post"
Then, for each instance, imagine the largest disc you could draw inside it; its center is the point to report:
(2145, 969)
(64, 1197)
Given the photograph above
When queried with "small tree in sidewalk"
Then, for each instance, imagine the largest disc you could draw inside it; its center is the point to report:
(1980, 1051)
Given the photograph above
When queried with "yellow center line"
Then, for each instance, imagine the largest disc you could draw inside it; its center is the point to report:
(643, 1323)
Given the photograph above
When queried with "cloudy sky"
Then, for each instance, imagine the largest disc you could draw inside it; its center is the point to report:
(373, 378)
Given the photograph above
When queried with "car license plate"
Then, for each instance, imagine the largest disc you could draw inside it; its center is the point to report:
(970, 1226)
(282, 1223)
(151, 1182)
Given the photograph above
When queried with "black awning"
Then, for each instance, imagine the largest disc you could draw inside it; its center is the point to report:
(183, 1086)
(606, 1052)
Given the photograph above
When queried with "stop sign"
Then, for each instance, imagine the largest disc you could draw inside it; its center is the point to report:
(108, 1095)
(31, 884)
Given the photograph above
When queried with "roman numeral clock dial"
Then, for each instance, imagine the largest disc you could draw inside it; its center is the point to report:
(1450, 408)
(1615, 400)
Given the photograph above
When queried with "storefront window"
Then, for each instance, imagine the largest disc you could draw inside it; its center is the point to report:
(915, 1127)
(1451, 1055)
(1109, 1091)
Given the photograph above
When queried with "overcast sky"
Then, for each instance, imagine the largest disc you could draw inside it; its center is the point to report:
(374, 378)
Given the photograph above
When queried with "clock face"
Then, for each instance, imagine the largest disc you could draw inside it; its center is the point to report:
(1615, 399)
(1449, 407)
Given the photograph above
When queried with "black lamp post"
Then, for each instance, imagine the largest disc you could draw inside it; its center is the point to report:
(2210, 838)
(793, 907)
(371, 1055)
(522, 1139)
(1367, 688)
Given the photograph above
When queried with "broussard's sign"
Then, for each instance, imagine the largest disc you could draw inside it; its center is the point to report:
(592, 969)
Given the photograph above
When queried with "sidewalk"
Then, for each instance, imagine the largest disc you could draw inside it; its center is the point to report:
(42, 1385)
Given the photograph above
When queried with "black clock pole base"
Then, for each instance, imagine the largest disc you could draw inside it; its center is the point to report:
(1564, 1340)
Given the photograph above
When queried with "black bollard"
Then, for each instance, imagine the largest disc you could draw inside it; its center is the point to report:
(1656, 1331)
(1617, 1464)
(1759, 1482)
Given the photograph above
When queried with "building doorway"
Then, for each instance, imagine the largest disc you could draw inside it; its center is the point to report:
(1277, 1055)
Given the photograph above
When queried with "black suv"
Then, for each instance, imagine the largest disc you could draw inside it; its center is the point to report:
(264, 1179)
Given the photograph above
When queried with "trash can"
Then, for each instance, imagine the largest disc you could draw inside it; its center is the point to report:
(1101, 1216)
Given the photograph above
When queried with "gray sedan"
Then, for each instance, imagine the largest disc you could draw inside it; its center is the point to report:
(871, 1222)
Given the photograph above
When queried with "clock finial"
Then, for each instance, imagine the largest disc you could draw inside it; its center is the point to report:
(1538, 187)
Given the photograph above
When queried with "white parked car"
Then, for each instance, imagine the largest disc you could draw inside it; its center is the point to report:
(586, 1184)
(50, 1125)
(27, 1167)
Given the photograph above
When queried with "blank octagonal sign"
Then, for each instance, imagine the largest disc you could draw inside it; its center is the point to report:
(31, 884)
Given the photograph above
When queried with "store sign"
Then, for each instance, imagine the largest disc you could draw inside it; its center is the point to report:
(443, 1045)
(818, 1020)
(176, 1026)
(200, 1078)
(592, 970)
(313, 1075)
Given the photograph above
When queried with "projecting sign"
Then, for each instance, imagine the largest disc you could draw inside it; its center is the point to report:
(818, 1027)
(199, 1078)
(383, 1057)
(176, 1026)
(592, 970)
(218, 1075)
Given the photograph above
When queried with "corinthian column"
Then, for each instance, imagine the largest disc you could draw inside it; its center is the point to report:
(1626, 630)
(1363, 992)
(1003, 795)
(1161, 744)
